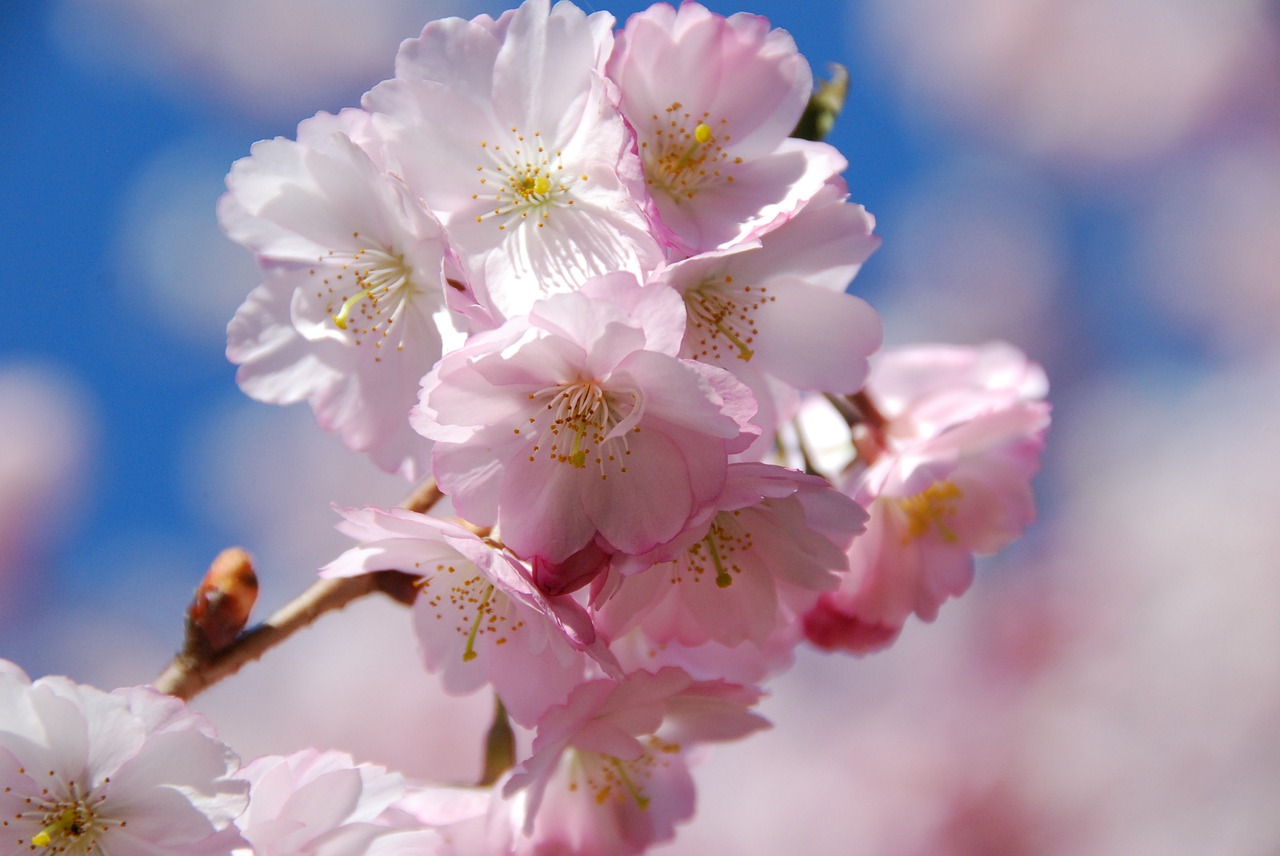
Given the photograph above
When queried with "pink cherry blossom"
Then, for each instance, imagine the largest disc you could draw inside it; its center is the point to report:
(480, 620)
(321, 803)
(355, 277)
(759, 309)
(961, 439)
(581, 424)
(130, 772)
(749, 565)
(609, 770)
(533, 172)
(712, 101)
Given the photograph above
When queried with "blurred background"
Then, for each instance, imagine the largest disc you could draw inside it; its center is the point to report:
(1095, 181)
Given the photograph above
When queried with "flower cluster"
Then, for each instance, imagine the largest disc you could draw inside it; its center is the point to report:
(584, 279)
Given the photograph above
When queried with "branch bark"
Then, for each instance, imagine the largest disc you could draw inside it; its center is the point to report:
(191, 672)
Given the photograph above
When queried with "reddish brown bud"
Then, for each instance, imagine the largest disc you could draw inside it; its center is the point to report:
(222, 603)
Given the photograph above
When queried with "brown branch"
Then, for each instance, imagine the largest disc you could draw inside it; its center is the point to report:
(193, 671)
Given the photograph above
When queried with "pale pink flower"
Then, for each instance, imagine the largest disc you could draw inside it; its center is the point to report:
(480, 620)
(506, 129)
(775, 312)
(459, 816)
(748, 565)
(609, 770)
(951, 478)
(129, 772)
(321, 803)
(747, 662)
(355, 275)
(580, 423)
(712, 101)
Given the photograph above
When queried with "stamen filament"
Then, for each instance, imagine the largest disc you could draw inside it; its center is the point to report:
(578, 456)
(469, 653)
(723, 580)
(636, 794)
(345, 312)
(65, 821)
(744, 353)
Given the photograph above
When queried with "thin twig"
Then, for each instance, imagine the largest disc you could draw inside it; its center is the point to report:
(190, 673)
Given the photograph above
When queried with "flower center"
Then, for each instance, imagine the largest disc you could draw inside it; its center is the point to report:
(928, 510)
(366, 289)
(608, 778)
(576, 421)
(684, 152)
(524, 180)
(69, 823)
(477, 608)
(722, 319)
(716, 552)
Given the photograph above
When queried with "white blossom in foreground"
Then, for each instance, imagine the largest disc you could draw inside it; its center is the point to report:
(126, 773)
(321, 803)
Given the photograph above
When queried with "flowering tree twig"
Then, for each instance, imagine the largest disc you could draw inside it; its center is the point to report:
(200, 666)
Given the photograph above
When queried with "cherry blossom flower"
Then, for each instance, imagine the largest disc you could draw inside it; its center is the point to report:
(580, 423)
(84, 771)
(480, 620)
(609, 770)
(322, 803)
(712, 101)
(758, 308)
(750, 564)
(459, 816)
(533, 173)
(346, 318)
(962, 438)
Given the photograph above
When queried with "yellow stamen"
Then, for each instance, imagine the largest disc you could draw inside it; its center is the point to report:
(928, 508)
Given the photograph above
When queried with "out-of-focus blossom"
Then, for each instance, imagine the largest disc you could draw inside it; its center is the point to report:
(172, 261)
(265, 57)
(480, 619)
(997, 272)
(1083, 80)
(580, 423)
(533, 173)
(609, 772)
(712, 100)
(84, 771)
(955, 443)
(1210, 246)
(47, 427)
(322, 803)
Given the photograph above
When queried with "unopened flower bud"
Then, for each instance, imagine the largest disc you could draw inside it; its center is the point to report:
(221, 605)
